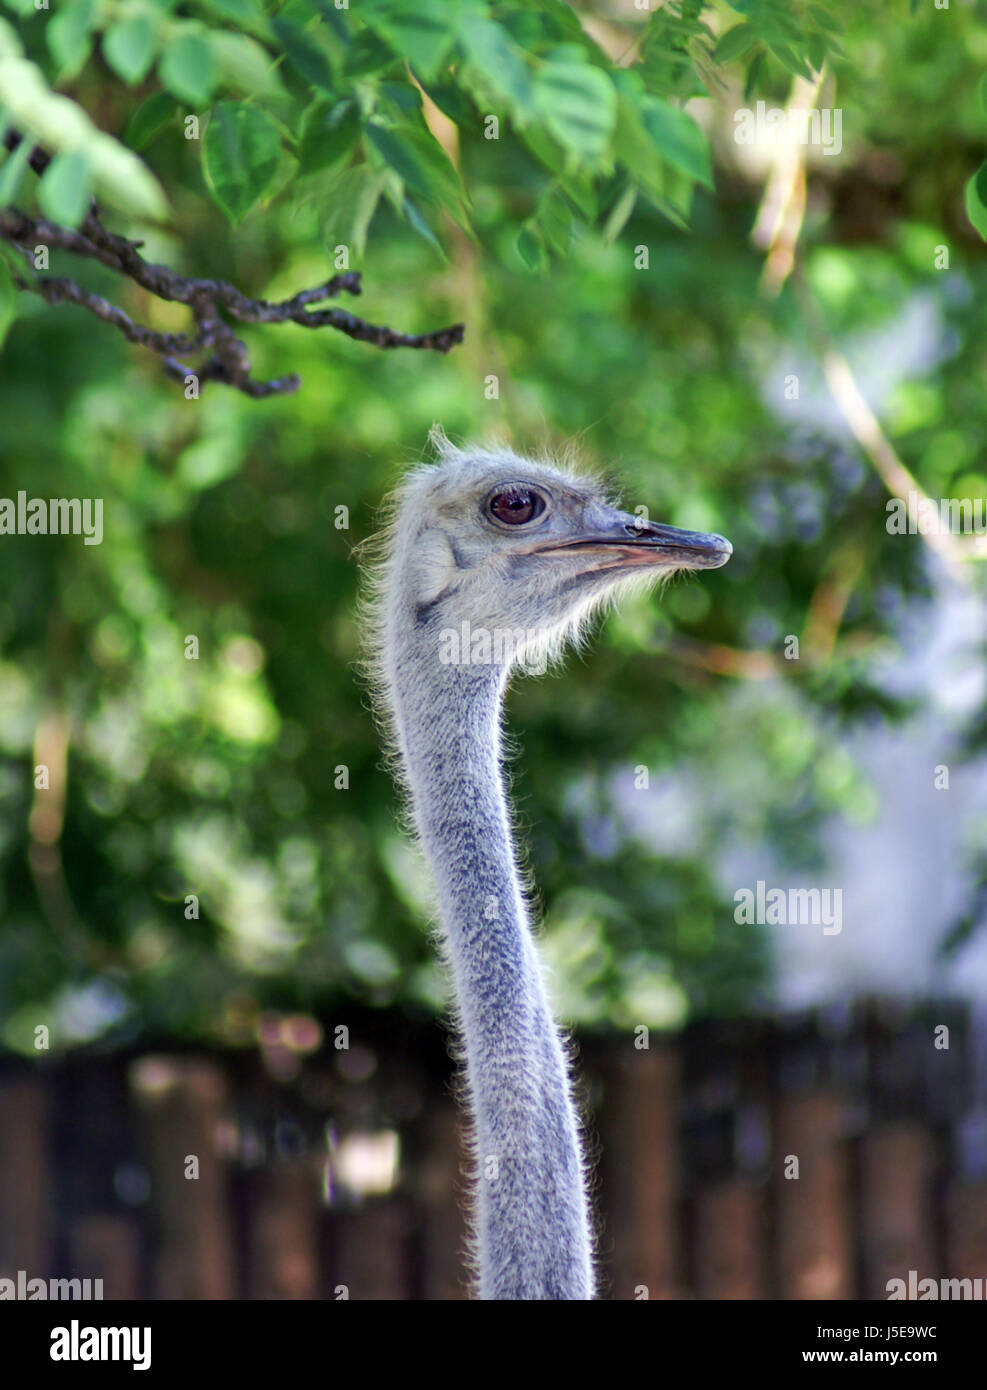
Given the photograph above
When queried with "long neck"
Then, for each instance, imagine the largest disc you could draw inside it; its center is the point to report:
(532, 1225)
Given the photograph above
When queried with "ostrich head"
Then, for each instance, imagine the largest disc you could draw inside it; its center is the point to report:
(492, 543)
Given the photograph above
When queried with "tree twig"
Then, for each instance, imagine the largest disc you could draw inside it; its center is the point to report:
(954, 551)
(208, 299)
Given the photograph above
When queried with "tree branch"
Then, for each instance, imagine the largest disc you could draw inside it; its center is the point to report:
(229, 362)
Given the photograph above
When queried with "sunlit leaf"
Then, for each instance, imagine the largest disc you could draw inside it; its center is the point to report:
(348, 208)
(12, 172)
(423, 34)
(735, 43)
(66, 188)
(678, 139)
(579, 105)
(241, 153)
(186, 69)
(68, 34)
(128, 47)
(502, 63)
(243, 63)
(619, 215)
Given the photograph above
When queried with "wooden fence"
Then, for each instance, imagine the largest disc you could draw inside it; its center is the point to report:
(275, 1174)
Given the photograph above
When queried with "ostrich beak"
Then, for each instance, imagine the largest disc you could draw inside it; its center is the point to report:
(628, 540)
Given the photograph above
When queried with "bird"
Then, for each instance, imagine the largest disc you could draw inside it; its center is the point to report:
(489, 562)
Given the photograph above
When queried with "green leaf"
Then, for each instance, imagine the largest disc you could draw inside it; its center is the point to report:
(309, 60)
(186, 69)
(8, 300)
(68, 35)
(775, 26)
(60, 124)
(753, 75)
(791, 61)
(502, 63)
(244, 64)
(329, 133)
(678, 139)
(551, 21)
(422, 33)
(824, 20)
(619, 215)
(367, 55)
(976, 200)
(580, 190)
(546, 150)
(12, 172)
(453, 102)
(531, 247)
(65, 188)
(735, 43)
(150, 119)
(417, 221)
(128, 47)
(554, 220)
(420, 161)
(349, 206)
(248, 14)
(982, 88)
(240, 156)
(10, 44)
(633, 144)
(403, 96)
(579, 104)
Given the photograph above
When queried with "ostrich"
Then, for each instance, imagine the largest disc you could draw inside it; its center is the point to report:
(490, 561)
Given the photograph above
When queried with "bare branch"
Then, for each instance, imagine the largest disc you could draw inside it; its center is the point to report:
(229, 362)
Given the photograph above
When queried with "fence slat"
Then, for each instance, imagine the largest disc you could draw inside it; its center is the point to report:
(643, 1188)
(442, 1191)
(966, 1231)
(182, 1103)
(371, 1251)
(896, 1218)
(728, 1241)
(105, 1246)
(285, 1221)
(25, 1179)
(814, 1235)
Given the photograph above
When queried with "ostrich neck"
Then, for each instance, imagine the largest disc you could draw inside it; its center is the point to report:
(531, 1210)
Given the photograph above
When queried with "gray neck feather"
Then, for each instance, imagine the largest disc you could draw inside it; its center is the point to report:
(531, 1220)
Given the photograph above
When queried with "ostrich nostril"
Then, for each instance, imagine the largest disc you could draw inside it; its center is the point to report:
(634, 528)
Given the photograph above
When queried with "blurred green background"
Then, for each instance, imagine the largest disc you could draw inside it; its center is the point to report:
(251, 777)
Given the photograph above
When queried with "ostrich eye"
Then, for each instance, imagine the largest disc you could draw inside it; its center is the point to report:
(516, 506)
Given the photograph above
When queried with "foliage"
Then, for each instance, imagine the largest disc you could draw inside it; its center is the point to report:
(312, 100)
(251, 776)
